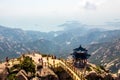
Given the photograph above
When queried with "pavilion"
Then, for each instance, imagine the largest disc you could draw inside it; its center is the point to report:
(80, 56)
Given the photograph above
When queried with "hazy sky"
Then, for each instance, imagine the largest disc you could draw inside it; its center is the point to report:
(46, 15)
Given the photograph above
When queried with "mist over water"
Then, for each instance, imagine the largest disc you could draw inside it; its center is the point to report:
(47, 15)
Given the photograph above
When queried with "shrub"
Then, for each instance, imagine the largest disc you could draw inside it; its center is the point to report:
(28, 65)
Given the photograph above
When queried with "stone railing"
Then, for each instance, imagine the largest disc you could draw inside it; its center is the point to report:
(69, 68)
(79, 73)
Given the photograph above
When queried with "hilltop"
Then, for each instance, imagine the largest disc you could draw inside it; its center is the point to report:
(37, 66)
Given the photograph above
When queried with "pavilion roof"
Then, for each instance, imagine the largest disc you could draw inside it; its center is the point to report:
(80, 48)
(81, 55)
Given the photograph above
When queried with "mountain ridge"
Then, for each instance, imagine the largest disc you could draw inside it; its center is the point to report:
(14, 42)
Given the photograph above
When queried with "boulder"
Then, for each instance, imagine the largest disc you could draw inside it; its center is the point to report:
(21, 75)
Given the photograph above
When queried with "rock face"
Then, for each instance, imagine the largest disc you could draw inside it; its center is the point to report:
(94, 72)
(46, 74)
(23, 70)
(21, 75)
(3, 71)
(62, 74)
(106, 54)
(118, 78)
(95, 76)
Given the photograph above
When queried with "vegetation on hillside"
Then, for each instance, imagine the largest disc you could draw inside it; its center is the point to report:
(27, 64)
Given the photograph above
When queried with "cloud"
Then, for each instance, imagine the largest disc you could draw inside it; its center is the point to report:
(90, 6)
(50, 13)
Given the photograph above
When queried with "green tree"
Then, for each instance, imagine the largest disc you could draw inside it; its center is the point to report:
(28, 65)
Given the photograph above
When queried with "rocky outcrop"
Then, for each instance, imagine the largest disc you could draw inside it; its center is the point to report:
(21, 75)
(3, 71)
(118, 75)
(95, 76)
(44, 72)
(47, 74)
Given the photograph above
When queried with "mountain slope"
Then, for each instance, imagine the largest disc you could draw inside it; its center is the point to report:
(107, 54)
(103, 47)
